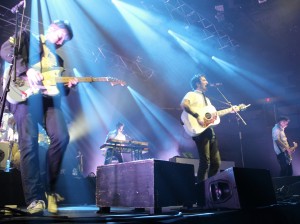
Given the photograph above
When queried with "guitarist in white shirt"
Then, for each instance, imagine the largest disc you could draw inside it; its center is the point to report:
(282, 148)
(206, 141)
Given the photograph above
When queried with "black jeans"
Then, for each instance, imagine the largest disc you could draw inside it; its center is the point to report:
(286, 168)
(46, 112)
(209, 155)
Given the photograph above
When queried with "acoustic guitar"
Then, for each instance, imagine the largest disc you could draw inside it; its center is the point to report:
(209, 115)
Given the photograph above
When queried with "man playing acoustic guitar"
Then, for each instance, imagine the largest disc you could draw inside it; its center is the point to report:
(198, 117)
(282, 148)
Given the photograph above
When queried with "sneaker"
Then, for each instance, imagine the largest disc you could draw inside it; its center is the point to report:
(52, 203)
(36, 207)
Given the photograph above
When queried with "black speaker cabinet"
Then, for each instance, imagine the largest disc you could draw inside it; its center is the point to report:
(145, 183)
(237, 188)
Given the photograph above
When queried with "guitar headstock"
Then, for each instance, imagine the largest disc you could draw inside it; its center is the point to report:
(114, 81)
(295, 144)
(243, 107)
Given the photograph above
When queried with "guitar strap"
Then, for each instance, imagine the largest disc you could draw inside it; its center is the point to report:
(204, 97)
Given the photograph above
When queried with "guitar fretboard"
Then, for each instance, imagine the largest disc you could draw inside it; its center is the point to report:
(82, 79)
(224, 112)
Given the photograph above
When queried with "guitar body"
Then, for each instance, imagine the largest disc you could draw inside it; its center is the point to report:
(49, 82)
(207, 114)
(288, 157)
(288, 154)
(20, 90)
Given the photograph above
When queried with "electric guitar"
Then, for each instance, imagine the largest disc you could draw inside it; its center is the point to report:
(20, 90)
(209, 115)
(288, 153)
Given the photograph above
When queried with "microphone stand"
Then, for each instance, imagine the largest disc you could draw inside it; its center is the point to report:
(238, 117)
(10, 77)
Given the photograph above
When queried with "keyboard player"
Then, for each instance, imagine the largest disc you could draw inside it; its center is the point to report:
(116, 134)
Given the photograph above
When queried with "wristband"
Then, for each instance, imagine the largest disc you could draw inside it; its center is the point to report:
(195, 115)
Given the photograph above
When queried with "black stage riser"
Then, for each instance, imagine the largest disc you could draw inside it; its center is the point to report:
(147, 183)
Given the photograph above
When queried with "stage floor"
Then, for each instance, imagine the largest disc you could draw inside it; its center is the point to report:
(280, 213)
(81, 207)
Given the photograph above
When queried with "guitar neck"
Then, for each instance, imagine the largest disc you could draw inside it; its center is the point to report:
(224, 112)
(81, 79)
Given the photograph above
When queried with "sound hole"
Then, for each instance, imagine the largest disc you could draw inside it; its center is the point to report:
(208, 116)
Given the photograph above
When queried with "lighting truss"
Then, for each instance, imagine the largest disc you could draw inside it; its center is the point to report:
(9, 21)
(180, 11)
(134, 67)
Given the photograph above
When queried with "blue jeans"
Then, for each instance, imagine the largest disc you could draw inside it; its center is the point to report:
(46, 112)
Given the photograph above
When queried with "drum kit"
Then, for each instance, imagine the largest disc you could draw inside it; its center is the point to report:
(8, 142)
(9, 148)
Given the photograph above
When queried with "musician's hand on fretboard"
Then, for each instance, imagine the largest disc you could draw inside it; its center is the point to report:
(235, 109)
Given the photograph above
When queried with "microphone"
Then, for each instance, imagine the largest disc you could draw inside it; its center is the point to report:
(216, 84)
(16, 7)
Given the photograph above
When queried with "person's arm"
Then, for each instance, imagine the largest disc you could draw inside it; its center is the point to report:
(111, 135)
(186, 106)
(283, 146)
(277, 137)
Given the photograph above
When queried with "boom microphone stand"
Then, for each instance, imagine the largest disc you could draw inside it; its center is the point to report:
(12, 71)
(238, 117)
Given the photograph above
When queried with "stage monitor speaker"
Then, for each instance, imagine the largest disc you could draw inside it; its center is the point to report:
(237, 188)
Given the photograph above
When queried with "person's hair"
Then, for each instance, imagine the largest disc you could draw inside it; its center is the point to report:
(64, 24)
(119, 124)
(196, 79)
(282, 118)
